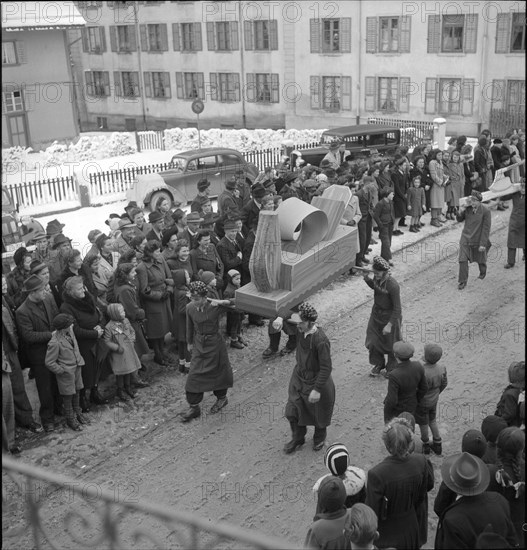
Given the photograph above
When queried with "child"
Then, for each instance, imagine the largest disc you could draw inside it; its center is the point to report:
(234, 317)
(210, 280)
(416, 204)
(179, 318)
(436, 379)
(63, 358)
(491, 427)
(511, 406)
(119, 336)
(362, 527)
(337, 460)
(277, 201)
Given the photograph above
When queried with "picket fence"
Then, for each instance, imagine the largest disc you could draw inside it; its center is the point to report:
(43, 192)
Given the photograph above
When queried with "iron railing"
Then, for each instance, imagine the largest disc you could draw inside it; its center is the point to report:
(95, 517)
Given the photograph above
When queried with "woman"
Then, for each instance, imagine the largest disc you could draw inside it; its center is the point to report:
(457, 179)
(108, 257)
(516, 234)
(138, 244)
(155, 286)
(88, 330)
(437, 193)
(138, 217)
(163, 207)
(169, 243)
(126, 294)
(92, 264)
(75, 267)
(420, 169)
(448, 184)
(206, 258)
(384, 326)
(483, 163)
(210, 369)
(397, 488)
(181, 258)
(180, 219)
(471, 176)
(179, 317)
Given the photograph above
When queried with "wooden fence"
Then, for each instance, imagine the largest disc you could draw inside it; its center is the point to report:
(37, 193)
(148, 140)
(412, 131)
(504, 120)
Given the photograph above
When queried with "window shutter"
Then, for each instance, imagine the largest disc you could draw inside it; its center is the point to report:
(117, 83)
(163, 34)
(102, 35)
(85, 45)
(434, 34)
(236, 84)
(498, 94)
(372, 30)
(404, 94)
(133, 38)
(503, 26)
(431, 96)
(106, 82)
(370, 90)
(345, 90)
(113, 38)
(143, 38)
(275, 88)
(248, 35)
(211, 43)
(467, 97)
(175, 37)
(29, 100)
(201, 86)
(404, 35)
(179, 86)
(135, 82)
(214, 85)
(273, 34)
(166, 84)
(89, 83)
(235, 41)
(197, 36)
(471, 33)
(314, 38)
(148, 84)
(20, 52)
(345, 34)
(315, 88)
(251, 91)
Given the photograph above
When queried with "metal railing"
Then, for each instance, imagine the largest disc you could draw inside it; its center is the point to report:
(118, 522)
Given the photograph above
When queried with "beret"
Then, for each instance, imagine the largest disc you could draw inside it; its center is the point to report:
(62, 320)
(433, 352)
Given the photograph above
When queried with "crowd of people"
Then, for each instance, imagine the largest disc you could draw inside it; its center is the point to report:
(72, 320)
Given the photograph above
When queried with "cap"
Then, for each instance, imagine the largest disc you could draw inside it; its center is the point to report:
(403, 350)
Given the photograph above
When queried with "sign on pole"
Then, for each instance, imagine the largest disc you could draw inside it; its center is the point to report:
(197, 108)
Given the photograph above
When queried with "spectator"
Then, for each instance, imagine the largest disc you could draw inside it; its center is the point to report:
(491, 427)
(229, 250)
(471, 176)
(420, 169)
(234, 316)
(15, 279)
(483, 163)
(385, 179)
(457, 179)
(163, 207)
(511, 406)
(43, 249)
(179, 317)
(92, 237)
(400, 185)
(138, 244)
(169, 244)
(181, 258)
(202, 196)
(190, 232)
(75, 268)
(180, 219)
(416, 204)
(206, 258)
(437, 193)
(362, 527)
(8, 410)
(516, 234)
(384, 215)
(210, 282)
(141, 228)
(108, 257)
(251, 211)
(157, 221)
(123, 243)
(91, 264)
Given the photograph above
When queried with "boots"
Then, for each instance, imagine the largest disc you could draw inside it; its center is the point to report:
(297, 441)
(437, 446)
(131, 392)
(84, 404)
(96, 397)
(78, 411)
(121, 394)
(220, 403)
(194, 411)
(71, 419)
(426, 447)
(182, 366)
(413, 229)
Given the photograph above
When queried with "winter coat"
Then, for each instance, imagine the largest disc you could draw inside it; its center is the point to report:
(127, 296)
(509, 407)
(228, 253)
(120, 334)
(516, 235)
(457, 182)
(437, 193)
(63, 358)
(416, 200)
(475, 233)
(406, 388)
(207, 261)
(181, 300)
(250, 215)
(400, 183)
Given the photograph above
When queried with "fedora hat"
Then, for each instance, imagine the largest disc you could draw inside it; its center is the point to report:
(155, 216)
(54, 227)
(465, 474)
(37, 235)
(125, 223)
(60, 239)
(194, 217)
(33, 282)
(131, 204)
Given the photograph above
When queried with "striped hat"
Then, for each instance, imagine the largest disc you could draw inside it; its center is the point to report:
(336, 459)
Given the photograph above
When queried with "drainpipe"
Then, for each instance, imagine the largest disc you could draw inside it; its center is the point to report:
(242, 65)
(74, 80)
(139, 66)
(482, 72)
(359, 72)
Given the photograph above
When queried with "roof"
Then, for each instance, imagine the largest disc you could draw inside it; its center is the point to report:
(203, 152)
(19, 16)
(343, 131)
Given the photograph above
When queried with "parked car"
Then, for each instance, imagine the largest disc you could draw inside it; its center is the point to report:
(360, 141)
(179, 183)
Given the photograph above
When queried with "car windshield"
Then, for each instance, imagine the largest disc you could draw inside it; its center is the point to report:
(178, 164)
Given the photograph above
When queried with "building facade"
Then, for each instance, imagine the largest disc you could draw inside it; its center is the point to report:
(298, 64)
(38, 90)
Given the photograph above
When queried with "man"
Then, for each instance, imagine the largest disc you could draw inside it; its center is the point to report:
(311, 390)
(132, 205)
(157, 220)
(190, 234)
(15, 278)
(475, 508)
(516, 234)
(202, 196)
(228, 199)
(244, 189)
(333, 157)
(42, 251)
(229, 250)
(365, 223)
(474, 243)
(400, 186)
(53, 229)
(34, 319)
(207, 224)
(92, 237)
(58, 262)
(122, 243)
(384, 326)
(483, 162)
(384, 216)
(251, 211)
(406, 383)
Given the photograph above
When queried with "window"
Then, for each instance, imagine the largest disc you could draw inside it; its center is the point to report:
(222, 36)
(263, 88)
(387, 94)
(388, 34)
(190, 85)
(8, 53)
(126, 83)
(207, 162)
(229, 160)
(518, 32)
(449, 96)
(154, 37)
(330, 35)
(188, 36)
(93, 40)
(225, 86)
(452, 33)
(130, 124)
(261, 35)
(331, 93)
(157, 85)
(13, 101)
(102, 123)
(123, 38)
(510, 33)
(98, 83)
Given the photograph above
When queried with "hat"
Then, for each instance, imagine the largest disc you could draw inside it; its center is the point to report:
(203, 184)
(233, 273)
(474, 442)
(511, 440)
(207, 277)
(54, 227)
(491, 427)
(229, 225)
(334, 145)
(465, 474)
(126, 224)
(433, 352)
(476, 195)
(337, 459)
(399, 159)
(194, 217)
(325, 163)
(155, 216)
(60, 239)
(231, 183)
(62, 321)
(380, 264)
(497, 141)
(93, 234)
(331, 494)
(330, 173)
(20, 254)
(258, 191)
(307, 312)
(37, 235)
(267, 182)
(111, 217)
(198, 287)
(233, 215)
(33, 282)
(36, 266)
(403, 350)
(131, 204)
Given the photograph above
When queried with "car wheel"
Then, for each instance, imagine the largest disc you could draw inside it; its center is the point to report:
(157, 196)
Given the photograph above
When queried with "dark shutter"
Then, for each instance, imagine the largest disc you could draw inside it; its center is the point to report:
(85, 43)
(250, 90)
(248, 35)
(211, 42)
(117, 83)
(370, 89)
(175, 37)
(275, 88)
(503, 27)
(431, 96)
(133, 38)
(163, 35)
(236, 84)
(90, 89)
(273, 34)
(196, 28)
(471, 33)
(214, 86)
(144, 40)
(102, 34)
(314, 89)
(180, 93)
(148, 84)
(404, 94)
(467, 96)
(235, 41)
(434, 34)
(201, 86)
(345, 92)
(113, 38)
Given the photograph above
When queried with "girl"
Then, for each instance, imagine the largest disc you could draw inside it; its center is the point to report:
(119, 336)
(416, 204)
(179, 318)
(210, 280)
(234, 317)
(448, 184)
(457, 181)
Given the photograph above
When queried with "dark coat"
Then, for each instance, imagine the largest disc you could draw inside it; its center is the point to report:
(153, 236)
(466, 519)
(384, 213)
(15, 282)
(516, 235)
(400, 184)
(328, 530)
(227, 202)
(246, 256)
(228, 253)
(406, 387)
(127, 296)
(508, 407)
(475, 233)
(250, 215)
(416, 199)
(191, 239)
(207, 261)
(179, 316)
